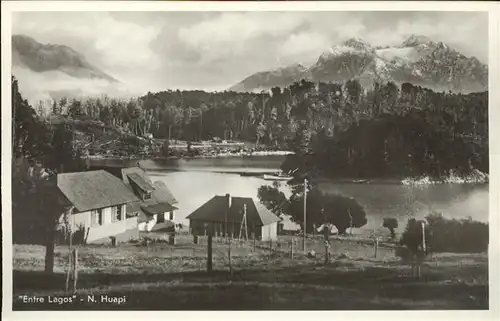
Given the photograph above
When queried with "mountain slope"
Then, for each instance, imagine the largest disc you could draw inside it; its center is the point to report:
(28, 53)
(418, 60)
(280, 77)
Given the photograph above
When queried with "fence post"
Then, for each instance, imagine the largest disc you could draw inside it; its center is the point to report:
(75, 269)
(376, 247)
(209, 252)
(326, 252)
(229, 256)
(70, 270)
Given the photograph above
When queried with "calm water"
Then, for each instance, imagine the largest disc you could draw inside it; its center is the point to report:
(193, 182)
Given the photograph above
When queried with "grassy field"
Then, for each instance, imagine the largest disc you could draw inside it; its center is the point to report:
(164, 277)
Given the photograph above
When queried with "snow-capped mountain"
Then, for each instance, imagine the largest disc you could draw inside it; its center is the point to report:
(418, 60)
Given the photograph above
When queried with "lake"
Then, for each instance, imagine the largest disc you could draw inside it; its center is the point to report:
(195, 181)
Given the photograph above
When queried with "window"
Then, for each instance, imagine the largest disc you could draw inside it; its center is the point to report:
(160, 218)
(147, 195)
(117, 213)
(96, 217)
(171, 216)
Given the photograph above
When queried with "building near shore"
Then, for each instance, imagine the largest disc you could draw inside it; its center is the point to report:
(155, 207)
(226, 215)
(99, 201)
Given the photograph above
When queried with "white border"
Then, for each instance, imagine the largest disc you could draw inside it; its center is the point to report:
(494, 120)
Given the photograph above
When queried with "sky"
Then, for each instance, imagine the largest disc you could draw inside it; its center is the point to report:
(151, 51)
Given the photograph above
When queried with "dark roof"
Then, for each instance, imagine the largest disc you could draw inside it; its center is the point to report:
(157, 208)
(161, 199)
(215, 211)
(125, 172)
(162, 193)
(94, 189)
(140, 182)
(165, 195)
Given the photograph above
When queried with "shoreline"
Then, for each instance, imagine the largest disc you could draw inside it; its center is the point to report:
(209, 156)
(475, 177)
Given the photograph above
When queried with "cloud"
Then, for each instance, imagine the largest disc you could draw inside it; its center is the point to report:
(54, 84)
(151, 51)
(304, 46)
(114, 45)
(232, 34)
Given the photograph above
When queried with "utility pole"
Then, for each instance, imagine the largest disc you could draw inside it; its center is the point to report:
(305, 212)
(244, 223)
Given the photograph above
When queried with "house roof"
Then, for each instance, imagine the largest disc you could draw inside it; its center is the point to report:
(161, 199)
(216, 208)
(94, 189)
(125, 172)
(157, 208)
(140, 182)
(164, 195)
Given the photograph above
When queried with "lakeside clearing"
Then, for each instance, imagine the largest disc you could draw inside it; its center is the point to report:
(159, 276)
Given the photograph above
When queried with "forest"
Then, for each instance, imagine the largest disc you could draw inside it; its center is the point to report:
(339, 129)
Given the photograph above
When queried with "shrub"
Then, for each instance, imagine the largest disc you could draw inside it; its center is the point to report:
(448, 235)
(412, 236)
(458, 236)
(403, 253)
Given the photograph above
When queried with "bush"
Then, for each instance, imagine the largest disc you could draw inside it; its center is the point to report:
(412, 236)
(458, 236)
(403, 253)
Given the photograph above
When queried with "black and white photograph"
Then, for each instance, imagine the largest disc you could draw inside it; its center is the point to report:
(248, 160)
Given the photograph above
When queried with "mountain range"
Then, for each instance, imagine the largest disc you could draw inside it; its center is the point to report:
(51, 71)
(417, 60)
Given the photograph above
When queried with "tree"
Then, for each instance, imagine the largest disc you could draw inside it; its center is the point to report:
(340, 211)
(392, 224)
(63, 155)
(412, 236)
(39, 151)
(273, 199)
(260, 132)
(30, 135)
(75, 109)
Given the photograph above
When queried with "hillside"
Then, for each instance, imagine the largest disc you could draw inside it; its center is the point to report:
(29, 53)
(53, 71)
(417, 60)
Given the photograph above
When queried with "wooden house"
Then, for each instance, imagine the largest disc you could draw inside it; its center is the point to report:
(154, 208)
(99, 201)
(227, 215)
